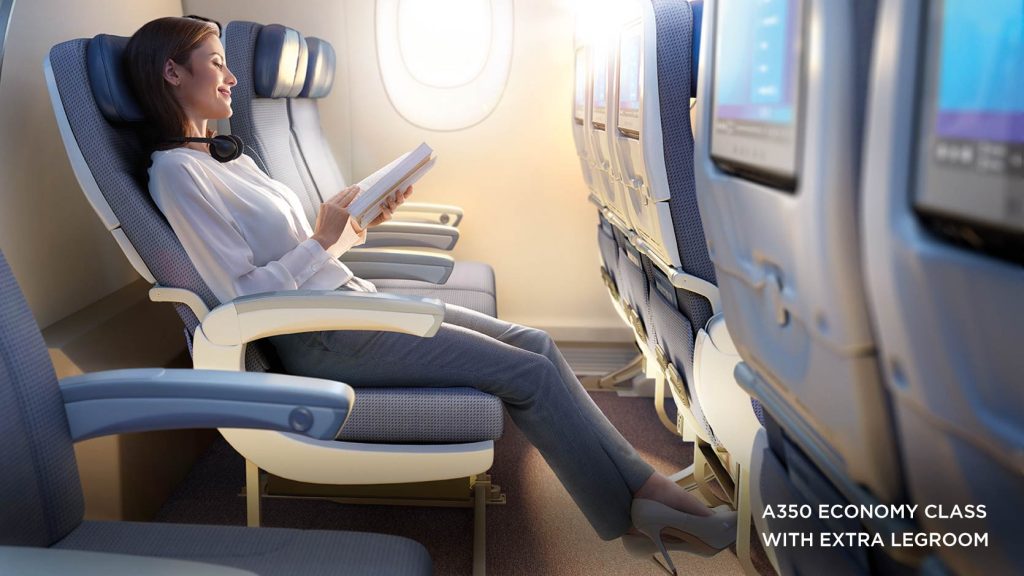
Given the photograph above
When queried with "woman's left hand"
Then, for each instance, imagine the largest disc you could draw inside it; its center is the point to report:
(390, 205)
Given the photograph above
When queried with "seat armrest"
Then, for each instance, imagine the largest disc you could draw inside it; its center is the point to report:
(32, 561)
(399, 265)
(411, 235)
(220, 341)
(250, 318)
(140, 400)
(439, 213)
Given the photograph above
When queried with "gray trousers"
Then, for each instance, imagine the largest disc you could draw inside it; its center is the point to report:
(520, 365)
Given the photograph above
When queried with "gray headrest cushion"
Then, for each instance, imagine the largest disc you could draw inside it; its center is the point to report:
(320, 72)
(279, 65)
(109, 79)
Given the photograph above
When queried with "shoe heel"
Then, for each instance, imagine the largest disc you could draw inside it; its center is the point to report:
(668, 566)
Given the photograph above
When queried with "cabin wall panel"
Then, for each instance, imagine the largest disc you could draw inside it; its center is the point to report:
(516, 173)
(61, 254)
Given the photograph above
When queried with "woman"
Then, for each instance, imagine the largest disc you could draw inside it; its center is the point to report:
(246, 233)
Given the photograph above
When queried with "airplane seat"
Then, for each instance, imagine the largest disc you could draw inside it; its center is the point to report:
(582, 123)
(44, 506)
(782, 89)
(590, 118)
(600, 106)
(942, 243)
(315, 158)
(430, 434)
(260, 118)
(633, 288)
(655, 149)
(595, 128)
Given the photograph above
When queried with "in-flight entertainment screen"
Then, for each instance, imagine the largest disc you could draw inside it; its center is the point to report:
(971, 133)
(629, 121)
(580, 100)
(600, 97)
(756, 90)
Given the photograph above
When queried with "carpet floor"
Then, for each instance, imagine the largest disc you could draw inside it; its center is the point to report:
(538, 532)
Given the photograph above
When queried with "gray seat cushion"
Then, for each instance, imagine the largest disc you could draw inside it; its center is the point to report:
(265, 551)
(422, 415)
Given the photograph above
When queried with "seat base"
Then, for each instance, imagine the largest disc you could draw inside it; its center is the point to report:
(454, 493)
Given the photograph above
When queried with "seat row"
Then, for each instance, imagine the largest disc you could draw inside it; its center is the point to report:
(822, 266)
(393, 435)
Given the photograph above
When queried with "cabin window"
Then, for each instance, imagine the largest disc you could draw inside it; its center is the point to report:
(444, 63)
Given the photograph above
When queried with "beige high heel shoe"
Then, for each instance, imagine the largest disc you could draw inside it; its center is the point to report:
(701, 535)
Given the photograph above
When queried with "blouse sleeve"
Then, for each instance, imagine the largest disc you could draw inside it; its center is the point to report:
(215, 245)
(348, 239)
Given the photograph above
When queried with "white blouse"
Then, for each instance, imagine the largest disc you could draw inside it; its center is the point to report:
(244, 231)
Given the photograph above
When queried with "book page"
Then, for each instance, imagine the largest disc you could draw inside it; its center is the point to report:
(375, 210)
(399, 174)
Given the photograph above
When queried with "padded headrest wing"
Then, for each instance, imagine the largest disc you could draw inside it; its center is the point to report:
(320, 71)
(109, 79)
(279, 65)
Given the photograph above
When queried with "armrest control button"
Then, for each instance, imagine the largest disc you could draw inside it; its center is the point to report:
(301, 419)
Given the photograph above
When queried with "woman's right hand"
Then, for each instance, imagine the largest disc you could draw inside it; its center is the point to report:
(333, 217)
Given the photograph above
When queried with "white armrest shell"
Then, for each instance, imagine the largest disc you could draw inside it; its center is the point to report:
(399, 265)
(442, 213)
(411, 235)
(250, 318)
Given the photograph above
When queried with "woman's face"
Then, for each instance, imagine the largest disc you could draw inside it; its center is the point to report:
(205, 93)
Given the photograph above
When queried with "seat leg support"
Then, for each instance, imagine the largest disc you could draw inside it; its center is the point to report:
(702, 476)
(719, 470)
(253, 492)
(481, 490)
(627, 372)
(659, 405)
(743, 527)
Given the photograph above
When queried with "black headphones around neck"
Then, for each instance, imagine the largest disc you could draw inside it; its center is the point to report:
(223, 147)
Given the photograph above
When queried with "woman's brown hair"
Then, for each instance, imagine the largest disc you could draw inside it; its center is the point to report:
(147, 52)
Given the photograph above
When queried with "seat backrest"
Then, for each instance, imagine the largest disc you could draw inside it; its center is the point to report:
(781, 91)
(99, 122)
(942, 233)
(99, 119)
(602, 107)
(581, 118)
(39, 486)
(652, 138)
(270, 65)
(668, 199)
(304, 117)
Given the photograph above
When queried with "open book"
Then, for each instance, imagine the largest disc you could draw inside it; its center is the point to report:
(401, 173)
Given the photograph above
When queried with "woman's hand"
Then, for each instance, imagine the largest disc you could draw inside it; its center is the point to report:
(390, 205)
(333, 217)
